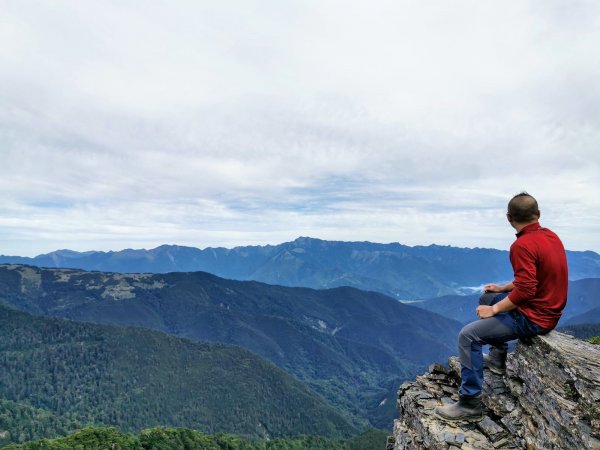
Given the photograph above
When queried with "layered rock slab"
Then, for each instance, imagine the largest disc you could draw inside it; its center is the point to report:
(548, 399)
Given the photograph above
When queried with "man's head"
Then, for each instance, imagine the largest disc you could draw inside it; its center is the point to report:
(522, 209)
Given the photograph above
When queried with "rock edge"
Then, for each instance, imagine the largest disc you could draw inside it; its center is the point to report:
(548, 399)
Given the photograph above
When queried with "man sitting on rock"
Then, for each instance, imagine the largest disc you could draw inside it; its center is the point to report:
(533, 306)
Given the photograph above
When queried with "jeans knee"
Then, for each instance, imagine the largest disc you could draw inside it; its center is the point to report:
(487, 298)
(465, 336)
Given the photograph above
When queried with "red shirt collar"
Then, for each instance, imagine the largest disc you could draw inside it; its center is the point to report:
(529, 228)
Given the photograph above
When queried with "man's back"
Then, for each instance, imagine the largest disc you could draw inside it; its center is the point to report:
(541, 275)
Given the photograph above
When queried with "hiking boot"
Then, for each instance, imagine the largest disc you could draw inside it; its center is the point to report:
(465, 409)
(495, 361)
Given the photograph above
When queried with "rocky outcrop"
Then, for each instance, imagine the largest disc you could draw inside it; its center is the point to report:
(548, 399)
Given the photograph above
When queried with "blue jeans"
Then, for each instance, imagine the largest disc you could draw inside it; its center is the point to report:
(495, 331)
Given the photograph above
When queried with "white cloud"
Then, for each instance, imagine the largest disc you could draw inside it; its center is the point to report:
(208, 123)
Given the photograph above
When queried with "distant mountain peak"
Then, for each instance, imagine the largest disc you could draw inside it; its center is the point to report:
(307, 240)
(173, 247)
(394, 269)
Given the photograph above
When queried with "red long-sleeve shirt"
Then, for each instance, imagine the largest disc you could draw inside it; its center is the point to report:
(541, 276)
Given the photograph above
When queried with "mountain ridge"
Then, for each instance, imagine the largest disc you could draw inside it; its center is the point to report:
(350, 346)
(394, 269)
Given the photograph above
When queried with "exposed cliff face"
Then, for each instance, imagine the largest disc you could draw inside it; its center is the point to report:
(548, 399)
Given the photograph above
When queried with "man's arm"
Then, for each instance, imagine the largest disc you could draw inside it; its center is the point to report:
(504, 305)
(499, 287)
(523, 286)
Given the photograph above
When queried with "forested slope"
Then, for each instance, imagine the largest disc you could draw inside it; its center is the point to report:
(135, 378)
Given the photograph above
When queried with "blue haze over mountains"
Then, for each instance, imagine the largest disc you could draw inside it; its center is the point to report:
(397, 270)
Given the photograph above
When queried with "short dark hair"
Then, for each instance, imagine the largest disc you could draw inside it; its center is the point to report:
(523, 208)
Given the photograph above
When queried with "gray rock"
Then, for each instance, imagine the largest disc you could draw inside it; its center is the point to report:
(490, 428)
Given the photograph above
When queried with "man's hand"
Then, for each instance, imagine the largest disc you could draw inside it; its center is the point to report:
(484, 311)
(493, 288)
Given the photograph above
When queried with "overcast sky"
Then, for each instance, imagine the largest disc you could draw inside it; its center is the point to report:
(131, 124)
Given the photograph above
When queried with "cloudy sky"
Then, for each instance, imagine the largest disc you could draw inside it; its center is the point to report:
(215, 123)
